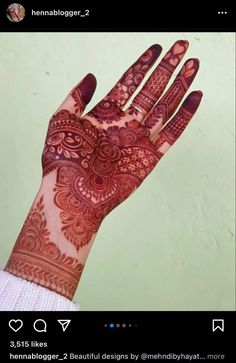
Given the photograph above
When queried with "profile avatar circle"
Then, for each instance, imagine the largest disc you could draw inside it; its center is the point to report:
(15, 12)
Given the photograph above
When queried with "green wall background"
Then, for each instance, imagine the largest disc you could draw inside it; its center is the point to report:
(171, 245)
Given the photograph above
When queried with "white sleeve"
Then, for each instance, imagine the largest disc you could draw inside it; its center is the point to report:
(22, 295)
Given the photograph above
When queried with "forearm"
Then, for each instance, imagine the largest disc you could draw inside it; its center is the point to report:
(45, 251)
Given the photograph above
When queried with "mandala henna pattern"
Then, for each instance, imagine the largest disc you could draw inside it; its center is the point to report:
(97, 169)
(37, 259)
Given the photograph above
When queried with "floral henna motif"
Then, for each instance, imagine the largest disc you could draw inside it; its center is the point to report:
(107, 111)
(37, 259)
(97, 169)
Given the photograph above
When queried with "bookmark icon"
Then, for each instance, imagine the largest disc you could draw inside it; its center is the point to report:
(64, 323)
(218, 324)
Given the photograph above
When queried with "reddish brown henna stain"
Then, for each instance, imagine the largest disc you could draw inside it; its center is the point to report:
(171, 99)
(173, 130)
(83, 92)
(157, 82)
(98, 167)
(109, 109)
(96, 170)
(37, 259)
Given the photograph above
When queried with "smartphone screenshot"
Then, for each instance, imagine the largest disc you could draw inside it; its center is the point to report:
(117, 189)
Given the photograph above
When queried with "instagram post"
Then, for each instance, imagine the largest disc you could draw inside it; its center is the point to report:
(118, 184)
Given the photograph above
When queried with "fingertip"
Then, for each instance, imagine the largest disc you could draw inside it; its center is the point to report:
(193, 62)
(92, 78)
(189, 70)
(182, 42)
(199, 92)
(156, 49)
(192, 101)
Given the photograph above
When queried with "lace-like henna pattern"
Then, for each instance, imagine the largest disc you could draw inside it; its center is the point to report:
(155, 85)
(96, 170)
(37, 259)
(109, 109)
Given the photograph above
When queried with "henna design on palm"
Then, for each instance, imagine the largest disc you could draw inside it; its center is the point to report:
(100, 158)
(104, 156)
(97, 169)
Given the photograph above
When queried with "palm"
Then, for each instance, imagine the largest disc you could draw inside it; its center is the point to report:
(102, 157)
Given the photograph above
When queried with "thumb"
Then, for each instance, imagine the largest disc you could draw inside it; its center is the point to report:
(80, 96)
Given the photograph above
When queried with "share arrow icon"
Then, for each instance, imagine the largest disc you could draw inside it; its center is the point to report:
(64, 323)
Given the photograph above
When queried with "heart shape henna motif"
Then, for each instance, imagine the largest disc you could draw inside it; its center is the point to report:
(178, 49)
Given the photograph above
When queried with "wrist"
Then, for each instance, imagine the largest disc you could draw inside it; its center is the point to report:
(43, 252)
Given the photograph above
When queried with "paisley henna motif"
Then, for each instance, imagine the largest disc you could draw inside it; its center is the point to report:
(68, 139)
(96, 170)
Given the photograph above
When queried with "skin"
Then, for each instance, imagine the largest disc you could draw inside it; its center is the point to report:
(92, 162)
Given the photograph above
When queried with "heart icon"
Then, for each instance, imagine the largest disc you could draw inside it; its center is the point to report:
(15, 324)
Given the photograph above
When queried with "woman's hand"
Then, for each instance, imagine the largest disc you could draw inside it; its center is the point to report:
(93, 162)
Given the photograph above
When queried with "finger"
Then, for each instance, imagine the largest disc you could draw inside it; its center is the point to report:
(110, 108)
(172, 131)
(157, 82)
(132, 78)
(80, 96)
(168, 104)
